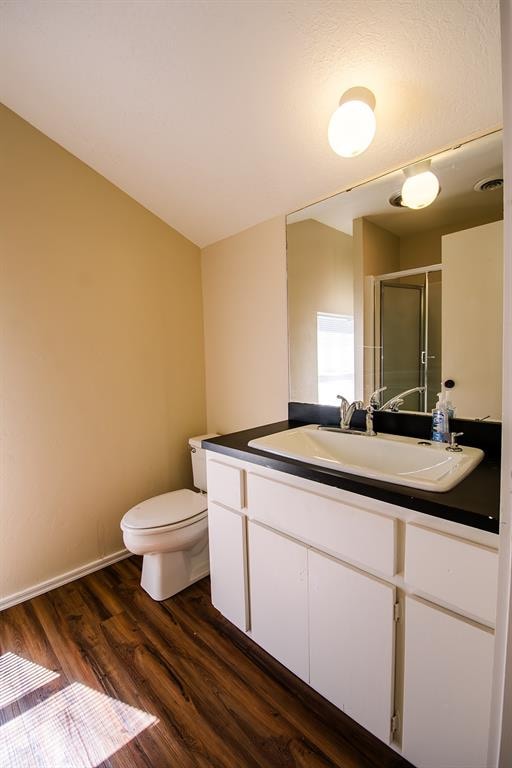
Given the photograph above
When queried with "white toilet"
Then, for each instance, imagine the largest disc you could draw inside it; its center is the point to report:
(171, 531)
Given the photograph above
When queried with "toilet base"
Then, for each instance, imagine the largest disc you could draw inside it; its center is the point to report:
(167, 573)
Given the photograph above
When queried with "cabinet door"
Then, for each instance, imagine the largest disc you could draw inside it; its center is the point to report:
(352, 637)
(279, 595)
(447, 694)
(228, 564)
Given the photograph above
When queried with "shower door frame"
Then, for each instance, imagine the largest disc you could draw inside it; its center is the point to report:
(379, 348)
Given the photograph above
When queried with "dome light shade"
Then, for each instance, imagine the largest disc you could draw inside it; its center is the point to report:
(352, 126)
(420, 190)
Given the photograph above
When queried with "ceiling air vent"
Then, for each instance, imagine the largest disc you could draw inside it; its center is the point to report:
(484, 185)
(396, 200)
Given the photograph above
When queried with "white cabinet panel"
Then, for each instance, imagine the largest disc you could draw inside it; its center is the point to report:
(344, 530)
(279, 595)
(228, 564)
(458, 572)
(447, 695)
(332, 624)
(352, 632)
(225, 484)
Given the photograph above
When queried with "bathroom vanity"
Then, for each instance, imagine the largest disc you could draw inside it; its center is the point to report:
(381, 598)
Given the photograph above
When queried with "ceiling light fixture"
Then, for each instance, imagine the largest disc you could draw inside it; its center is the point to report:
(352, 126)
(421, 186)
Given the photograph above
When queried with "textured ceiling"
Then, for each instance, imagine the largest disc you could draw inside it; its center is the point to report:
(214, 114)
(457, 169)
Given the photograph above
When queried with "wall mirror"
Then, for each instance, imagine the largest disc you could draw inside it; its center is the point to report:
(384, 295)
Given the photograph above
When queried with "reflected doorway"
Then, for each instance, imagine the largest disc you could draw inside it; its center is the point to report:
(408, 327)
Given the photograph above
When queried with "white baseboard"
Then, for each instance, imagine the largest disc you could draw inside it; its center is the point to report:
(63, 578)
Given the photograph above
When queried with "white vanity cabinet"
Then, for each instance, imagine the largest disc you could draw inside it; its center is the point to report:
(345, 615)
(278, 570)
(347, 531)
(448, 651)
(228, 564)
(352, 642)
(330, 624)
(447, 691)
(384, 611)
(227, 534)
(458, 574)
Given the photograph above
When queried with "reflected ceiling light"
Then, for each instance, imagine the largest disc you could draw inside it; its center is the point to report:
(352, 126)
(421, 187)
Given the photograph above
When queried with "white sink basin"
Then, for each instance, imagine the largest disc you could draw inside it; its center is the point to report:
(392, 458)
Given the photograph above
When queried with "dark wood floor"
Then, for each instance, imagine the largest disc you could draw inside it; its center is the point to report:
(199, 692)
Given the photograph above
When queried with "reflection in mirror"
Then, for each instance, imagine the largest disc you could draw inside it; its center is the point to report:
(408, 327)
(380, 295)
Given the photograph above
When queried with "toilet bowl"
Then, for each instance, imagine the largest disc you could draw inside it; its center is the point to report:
(170, 531)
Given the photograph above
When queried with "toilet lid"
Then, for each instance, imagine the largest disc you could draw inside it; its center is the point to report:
(166, 509)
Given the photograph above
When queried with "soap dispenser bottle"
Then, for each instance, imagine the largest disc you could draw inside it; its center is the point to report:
(440, 419)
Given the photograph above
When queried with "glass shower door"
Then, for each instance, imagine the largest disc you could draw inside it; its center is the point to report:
(432, 352)
(401, 340)
(410, 337)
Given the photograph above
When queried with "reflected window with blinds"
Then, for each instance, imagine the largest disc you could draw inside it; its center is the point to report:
(335, 355)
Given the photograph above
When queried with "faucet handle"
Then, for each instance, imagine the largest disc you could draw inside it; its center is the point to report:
(344, 406)
(374, 400)
(454, 447)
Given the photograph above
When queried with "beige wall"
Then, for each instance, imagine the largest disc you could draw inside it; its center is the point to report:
(472, 328)
(320, 279)
(421, 249)
(376, 252)
(101, 347)
(246, 345)
(381, 249)
(424, 248)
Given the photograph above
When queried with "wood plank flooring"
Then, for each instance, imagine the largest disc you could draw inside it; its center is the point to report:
(195, 691)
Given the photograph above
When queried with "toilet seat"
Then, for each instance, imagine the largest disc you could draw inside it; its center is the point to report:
(169, 511)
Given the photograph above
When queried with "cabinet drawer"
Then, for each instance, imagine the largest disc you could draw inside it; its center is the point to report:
(462, 574)
(225, 484)
(343, 530)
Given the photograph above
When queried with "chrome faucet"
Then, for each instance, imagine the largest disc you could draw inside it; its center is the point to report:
(374, 400)
(347, 411)
(394, 403)
(373, 405)
(370, 410)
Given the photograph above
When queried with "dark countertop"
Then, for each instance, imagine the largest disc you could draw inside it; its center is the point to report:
(474, 501)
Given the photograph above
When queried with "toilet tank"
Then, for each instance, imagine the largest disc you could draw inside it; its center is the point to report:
(199, 460)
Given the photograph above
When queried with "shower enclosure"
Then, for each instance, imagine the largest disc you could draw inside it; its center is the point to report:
(408, 333)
